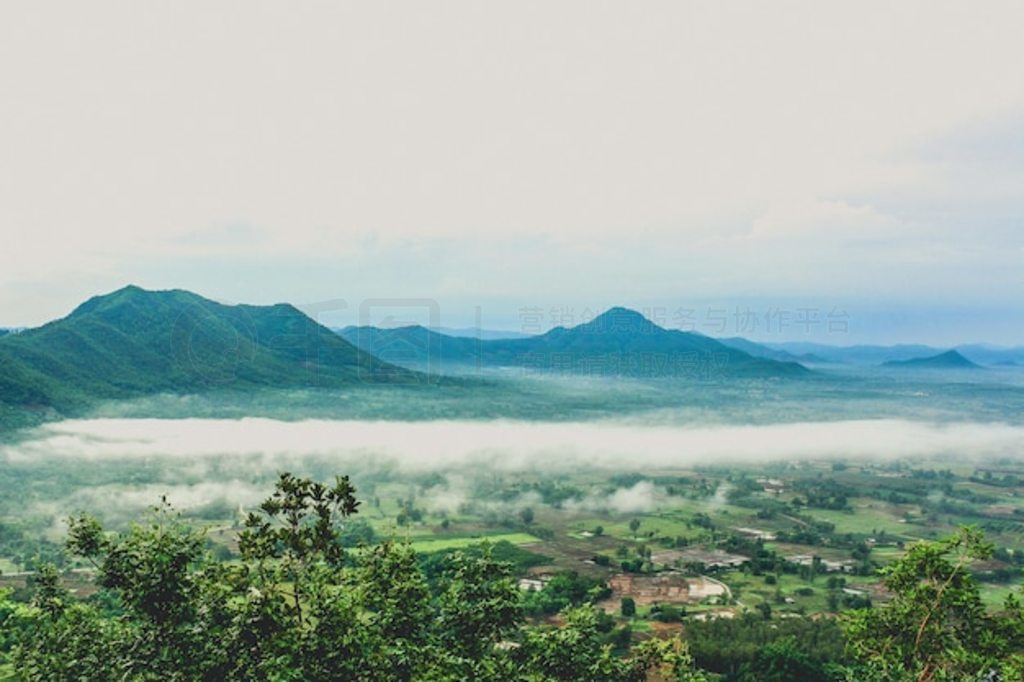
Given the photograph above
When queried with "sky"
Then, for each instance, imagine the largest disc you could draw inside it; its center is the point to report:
(535, 161)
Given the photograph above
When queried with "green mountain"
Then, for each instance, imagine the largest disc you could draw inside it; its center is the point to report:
(948, 360)
(617, 342)
(761, 351)
(134, 342)
(414, 346)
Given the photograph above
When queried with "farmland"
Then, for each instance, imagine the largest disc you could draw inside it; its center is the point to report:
(812, 542)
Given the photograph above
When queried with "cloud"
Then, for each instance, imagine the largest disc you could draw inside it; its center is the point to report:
(638, 498)
(216, 463)
(504, 445)
(361, 150)
(825, 220)
(123, 503)
(448, 497)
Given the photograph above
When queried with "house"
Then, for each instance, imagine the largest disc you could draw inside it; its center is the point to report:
(532, 584)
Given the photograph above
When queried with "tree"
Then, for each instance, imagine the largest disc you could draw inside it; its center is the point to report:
(574, 652)
(736, 648)
(936, 627)
(634, 525)
(298, 526)
(782, 661)
(628, 607)
(526, 514)
(667, 613)
(478, 608)
(297, 606)
(564, 590)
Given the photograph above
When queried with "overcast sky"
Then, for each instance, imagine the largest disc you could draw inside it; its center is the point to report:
(865, 157)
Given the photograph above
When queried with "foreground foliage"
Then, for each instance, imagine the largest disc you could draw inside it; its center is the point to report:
(298, 607)
(936, 627)
(750, 648)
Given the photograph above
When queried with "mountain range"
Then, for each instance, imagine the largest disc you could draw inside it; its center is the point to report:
(135, 342)
(618, 342)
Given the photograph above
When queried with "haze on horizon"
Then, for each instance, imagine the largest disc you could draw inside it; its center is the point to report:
(567, 155)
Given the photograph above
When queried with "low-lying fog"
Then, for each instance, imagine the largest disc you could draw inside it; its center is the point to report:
(119, 467)
(510, 445)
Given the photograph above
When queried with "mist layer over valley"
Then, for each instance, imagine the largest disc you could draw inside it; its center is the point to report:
(834, 393)
(223, 450)
(196, 463)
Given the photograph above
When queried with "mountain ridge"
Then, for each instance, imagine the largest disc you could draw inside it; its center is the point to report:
(619, 341)
(133, 342)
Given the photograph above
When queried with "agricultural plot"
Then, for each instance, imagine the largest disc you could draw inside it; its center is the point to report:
(438, 544)
(775, 548)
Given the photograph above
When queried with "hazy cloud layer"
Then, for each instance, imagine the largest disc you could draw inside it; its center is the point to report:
(640, 497)
(124, 502)
(508, 445)
(205, 463)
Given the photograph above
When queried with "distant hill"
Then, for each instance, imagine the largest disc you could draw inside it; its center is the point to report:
(480, 333)
(413, 346)
(762, 351)
(618, 342)
(979, 354)
(992, 355)
(134, 342)
(948, 360)
(856, 355)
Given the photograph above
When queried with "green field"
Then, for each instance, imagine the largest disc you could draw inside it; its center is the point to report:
(439, 544)
(866, 517)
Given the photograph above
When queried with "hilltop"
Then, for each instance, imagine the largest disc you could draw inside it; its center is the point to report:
(620, 341)
(948, 360)
(135, 342)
